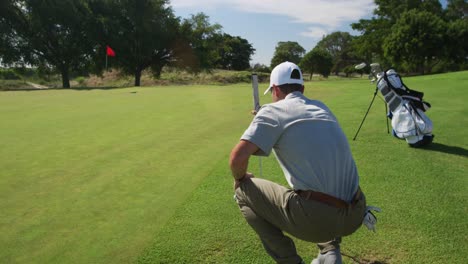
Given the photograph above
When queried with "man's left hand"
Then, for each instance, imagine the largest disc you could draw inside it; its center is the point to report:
(247, 175)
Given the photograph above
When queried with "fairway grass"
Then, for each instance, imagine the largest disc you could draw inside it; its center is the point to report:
(89, 176)
(141, 175)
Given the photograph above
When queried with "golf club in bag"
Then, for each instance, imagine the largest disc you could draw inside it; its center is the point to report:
(405, 107)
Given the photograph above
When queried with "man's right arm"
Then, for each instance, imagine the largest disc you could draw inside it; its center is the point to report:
(239, 160)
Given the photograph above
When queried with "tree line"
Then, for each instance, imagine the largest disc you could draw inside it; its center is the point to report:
(414, 36)
(71, 36)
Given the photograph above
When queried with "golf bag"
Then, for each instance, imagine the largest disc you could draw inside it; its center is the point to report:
(406, 110)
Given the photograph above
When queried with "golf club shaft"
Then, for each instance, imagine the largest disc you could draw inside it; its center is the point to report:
(256, 103)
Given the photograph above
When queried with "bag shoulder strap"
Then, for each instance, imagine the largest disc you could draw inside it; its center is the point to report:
(400, 92)
(406, 92)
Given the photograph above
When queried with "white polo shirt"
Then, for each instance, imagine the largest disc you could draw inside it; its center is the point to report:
(308, 143)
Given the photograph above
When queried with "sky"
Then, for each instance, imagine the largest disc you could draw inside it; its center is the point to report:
(264, 23)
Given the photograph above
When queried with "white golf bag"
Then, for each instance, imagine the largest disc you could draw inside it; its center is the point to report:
(406, 110)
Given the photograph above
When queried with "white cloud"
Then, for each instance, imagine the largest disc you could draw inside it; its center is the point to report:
(325, 13)
(315, 32)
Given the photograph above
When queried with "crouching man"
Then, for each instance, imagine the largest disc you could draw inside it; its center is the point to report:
(324, 201)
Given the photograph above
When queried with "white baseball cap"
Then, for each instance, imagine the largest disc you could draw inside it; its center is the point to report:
(285, 73)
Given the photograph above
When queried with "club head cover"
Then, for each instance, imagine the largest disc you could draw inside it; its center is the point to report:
(370, 220)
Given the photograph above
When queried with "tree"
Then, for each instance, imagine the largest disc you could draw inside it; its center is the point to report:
(287, 51)
(456, 16)
(374, 31)
(417, 39)
(317, 60)
(457, 35)
(204, 46)
(201, 42)
(235, 53)
(339, 46)
(392, 10)
(142, 33)
(9, 41)
(369, 44)
(348, 70)
(52, 34)
(456, 9)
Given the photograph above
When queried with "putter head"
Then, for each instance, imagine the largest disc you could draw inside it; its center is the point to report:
(360, 66)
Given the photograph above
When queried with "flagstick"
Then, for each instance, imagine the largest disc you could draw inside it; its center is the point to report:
(106, 62)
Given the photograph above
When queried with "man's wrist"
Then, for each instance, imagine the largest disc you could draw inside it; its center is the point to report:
(241, 178)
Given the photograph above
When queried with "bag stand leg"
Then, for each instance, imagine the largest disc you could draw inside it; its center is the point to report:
(386, 113)
(368, 109)
(386, 119)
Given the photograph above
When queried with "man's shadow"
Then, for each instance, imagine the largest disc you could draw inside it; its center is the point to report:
(454, 150)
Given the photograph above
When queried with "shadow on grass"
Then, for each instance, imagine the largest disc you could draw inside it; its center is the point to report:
(363, 260)
(85, 88)
(454, 150)
(31, 89)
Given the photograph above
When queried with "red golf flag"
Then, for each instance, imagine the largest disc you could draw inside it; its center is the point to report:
(110, 51)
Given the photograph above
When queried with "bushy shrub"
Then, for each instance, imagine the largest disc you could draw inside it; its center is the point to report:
(25, 72)
(9, 74)
(81, 80)
(261, 68)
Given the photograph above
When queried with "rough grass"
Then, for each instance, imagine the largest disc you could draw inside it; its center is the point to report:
(171, 77)
(141, 175)
(6, 85)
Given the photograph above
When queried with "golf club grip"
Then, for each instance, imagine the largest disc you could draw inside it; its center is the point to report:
(256, 99)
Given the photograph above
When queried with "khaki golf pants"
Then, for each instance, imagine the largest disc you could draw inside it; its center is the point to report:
(271, 209)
